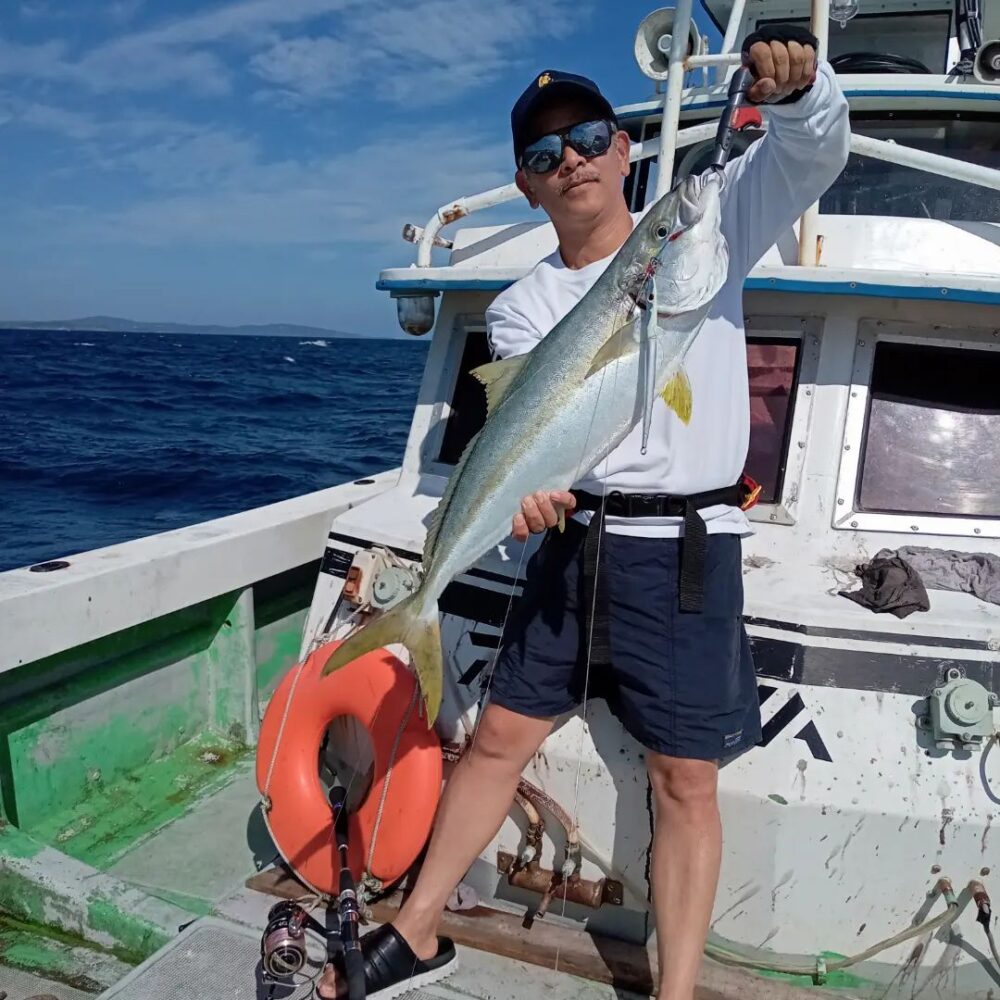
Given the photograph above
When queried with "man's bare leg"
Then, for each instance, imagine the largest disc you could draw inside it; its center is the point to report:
(475, 802)
(687, 851)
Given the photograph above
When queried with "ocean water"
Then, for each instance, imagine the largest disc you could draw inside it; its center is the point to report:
(106, 437)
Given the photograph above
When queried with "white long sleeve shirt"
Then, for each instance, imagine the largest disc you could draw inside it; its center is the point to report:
(767, 189)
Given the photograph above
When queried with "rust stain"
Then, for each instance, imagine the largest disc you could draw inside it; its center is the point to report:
(785, 879)
(452, 214)
(947, 815)
(986, 830)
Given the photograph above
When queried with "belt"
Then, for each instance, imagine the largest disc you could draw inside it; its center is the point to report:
(693, 546)
(617, 504)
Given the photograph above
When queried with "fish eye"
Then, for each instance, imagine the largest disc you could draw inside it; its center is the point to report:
(662, 232)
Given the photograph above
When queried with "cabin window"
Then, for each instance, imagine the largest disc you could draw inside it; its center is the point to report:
(772, 365)
(916, 42)
(932, 436)
(468, 401)
(874, 187)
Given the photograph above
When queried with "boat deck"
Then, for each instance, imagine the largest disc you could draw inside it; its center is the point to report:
(219, 960)
(201, 862)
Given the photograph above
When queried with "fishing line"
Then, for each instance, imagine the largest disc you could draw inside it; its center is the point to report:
(496, 654)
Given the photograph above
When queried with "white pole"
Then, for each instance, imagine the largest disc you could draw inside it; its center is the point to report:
(672, 99)
(809, 223)
(821, 25)
(943, 166)
(733, 25)
(717, 59)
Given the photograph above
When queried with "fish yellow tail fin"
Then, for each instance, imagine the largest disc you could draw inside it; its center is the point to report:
(416, 628)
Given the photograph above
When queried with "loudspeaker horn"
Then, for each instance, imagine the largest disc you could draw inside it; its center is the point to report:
(986, 68)
(653, 40)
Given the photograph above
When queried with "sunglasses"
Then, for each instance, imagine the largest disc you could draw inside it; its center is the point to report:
(586, 138)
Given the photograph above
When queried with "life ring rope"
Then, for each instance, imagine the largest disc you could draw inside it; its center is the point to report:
(366, 876)
(390, 825)
(265, 797)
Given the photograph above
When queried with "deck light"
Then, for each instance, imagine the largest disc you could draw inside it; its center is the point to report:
(842, 11)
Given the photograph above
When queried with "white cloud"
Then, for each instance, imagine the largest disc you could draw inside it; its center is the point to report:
(75, 124)
(125, 127)
(359, 196)
(116, 67)
(306, 67)
(204, 160)
(249, 18)
(35, 8)
(170, 54)
(42, 62)
(425, 53)
(122, 11)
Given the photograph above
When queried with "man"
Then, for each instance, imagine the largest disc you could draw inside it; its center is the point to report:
(683, 684)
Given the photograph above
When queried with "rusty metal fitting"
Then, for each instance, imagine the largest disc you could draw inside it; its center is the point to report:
(353, 585)
(546, 883)
(943, 887)
(413, 234)
(532, 852)
(982, 900)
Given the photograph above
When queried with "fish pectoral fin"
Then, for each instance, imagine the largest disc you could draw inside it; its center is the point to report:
(623, 342)
(497, 377)
(677, 395)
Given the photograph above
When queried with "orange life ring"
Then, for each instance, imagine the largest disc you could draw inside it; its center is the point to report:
(381, 693)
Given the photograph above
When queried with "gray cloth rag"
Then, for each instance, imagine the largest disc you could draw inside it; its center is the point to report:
(976, 573)
(889, 585)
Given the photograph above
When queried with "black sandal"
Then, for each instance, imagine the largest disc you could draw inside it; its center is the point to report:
(391, 968)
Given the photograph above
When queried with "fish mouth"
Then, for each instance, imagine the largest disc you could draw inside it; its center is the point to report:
(690, 208)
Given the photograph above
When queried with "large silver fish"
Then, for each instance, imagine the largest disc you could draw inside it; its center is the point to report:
(557, 411)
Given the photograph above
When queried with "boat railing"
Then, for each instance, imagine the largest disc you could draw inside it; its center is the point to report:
(672, 138)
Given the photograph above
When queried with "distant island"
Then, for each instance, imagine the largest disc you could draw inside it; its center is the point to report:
(113, 324)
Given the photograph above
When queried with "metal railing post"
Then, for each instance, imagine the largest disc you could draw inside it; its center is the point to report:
(733, 25)
(672, 98)
(809, 236)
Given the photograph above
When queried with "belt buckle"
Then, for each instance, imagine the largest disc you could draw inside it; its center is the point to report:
(615, 499)
(648, 501)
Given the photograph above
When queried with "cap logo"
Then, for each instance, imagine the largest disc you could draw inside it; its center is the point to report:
(544, 80)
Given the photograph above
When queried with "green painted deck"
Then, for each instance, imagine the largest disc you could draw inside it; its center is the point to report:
(132, 757)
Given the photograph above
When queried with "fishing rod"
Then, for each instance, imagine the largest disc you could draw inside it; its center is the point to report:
(347, 902)
(283, 952)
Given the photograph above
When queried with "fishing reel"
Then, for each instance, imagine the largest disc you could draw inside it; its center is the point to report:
(283, 943)
(283, 952)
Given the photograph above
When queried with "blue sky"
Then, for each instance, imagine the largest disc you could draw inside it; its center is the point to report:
(254, 161)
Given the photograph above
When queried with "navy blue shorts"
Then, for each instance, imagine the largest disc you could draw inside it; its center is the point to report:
(682, 684)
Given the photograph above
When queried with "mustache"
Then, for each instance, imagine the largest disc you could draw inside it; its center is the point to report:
(580, 177)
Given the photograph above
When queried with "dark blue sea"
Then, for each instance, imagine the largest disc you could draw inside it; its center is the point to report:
(106, 437)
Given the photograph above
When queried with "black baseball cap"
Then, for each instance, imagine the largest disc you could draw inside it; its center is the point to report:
(551, 84)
